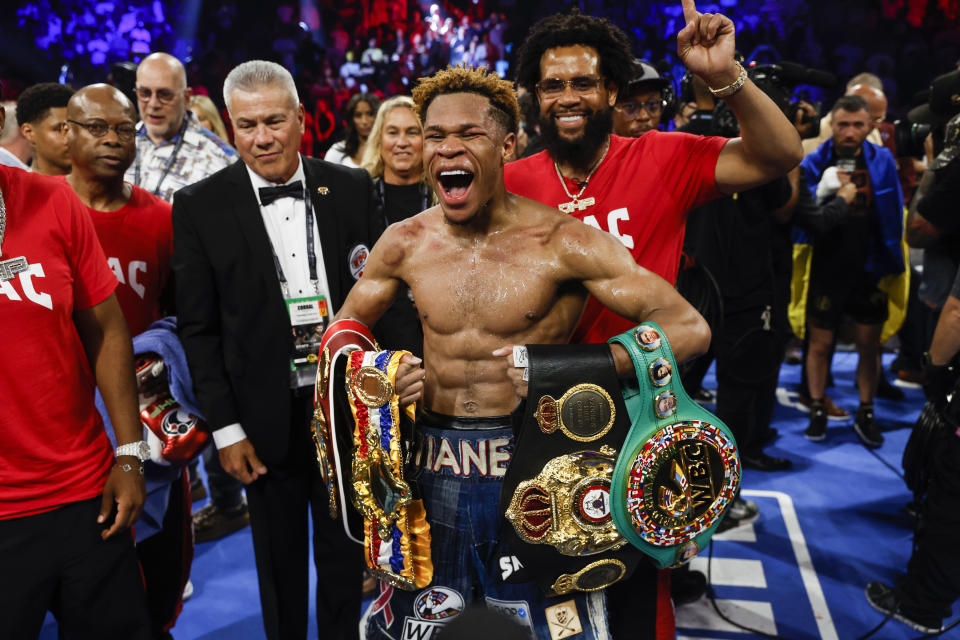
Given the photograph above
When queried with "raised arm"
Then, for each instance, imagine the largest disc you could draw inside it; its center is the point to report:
(609, 273)
(769, 145)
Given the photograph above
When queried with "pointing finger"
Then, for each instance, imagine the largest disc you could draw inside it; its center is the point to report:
(689, 10)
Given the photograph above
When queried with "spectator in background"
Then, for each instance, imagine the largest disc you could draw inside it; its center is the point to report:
(173, 150)
(358, 118)
(640, 105)
(41, 114)
(135, 230)
(15, 150)
(208, 116)
(848, 263)
(394, 158)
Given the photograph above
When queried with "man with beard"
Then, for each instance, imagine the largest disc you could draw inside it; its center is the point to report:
(849, 261)
(639, 189)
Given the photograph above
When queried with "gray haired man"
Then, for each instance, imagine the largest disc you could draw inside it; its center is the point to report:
(242, 261)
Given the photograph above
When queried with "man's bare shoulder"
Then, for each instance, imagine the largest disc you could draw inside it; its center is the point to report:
(401, 239)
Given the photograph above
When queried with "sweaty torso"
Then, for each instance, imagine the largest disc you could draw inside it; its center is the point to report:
(477, 293)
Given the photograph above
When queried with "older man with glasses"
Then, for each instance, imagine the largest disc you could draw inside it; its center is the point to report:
(173, 149)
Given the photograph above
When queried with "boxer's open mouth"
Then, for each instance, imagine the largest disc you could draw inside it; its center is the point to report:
(455, 183)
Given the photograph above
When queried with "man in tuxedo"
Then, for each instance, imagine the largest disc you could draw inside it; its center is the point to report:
(248, 279)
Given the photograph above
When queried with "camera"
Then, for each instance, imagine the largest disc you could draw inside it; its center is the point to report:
(909, 136)
(779, 81)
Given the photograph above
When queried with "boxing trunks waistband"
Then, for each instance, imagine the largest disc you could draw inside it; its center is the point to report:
(463, 447)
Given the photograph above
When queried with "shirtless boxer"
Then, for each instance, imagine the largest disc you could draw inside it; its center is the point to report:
(488, 270)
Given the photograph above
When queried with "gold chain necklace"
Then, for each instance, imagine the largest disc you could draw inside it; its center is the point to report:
(576, 204)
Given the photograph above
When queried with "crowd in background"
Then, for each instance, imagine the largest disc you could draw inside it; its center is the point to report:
(353, 63)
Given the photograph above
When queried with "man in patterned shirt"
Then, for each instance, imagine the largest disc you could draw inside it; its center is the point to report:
(173, 149)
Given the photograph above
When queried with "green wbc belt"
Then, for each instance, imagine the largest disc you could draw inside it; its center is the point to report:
(678, 469)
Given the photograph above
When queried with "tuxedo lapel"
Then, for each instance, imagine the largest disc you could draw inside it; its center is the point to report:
(246, 210)
(325, 199)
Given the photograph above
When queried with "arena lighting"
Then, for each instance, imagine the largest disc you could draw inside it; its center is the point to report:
(185, 30)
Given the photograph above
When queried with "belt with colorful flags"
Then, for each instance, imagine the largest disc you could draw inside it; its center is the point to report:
(396, 533)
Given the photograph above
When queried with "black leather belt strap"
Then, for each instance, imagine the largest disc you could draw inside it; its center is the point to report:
(555, 494)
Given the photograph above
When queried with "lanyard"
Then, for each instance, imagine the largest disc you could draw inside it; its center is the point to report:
(170, 160)
(311, 252)
(424, 199)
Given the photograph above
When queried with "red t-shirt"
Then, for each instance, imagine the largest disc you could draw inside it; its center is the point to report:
(642, 191)
(138, 241)
(53, 448)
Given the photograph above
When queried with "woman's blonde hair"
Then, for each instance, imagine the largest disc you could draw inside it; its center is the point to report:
(205, 106)
(372, 159)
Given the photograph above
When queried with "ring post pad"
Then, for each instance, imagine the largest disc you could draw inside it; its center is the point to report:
(396, 544)
(556, 492)
(679, 467)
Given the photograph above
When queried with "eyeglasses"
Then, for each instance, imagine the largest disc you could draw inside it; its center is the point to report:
(164, 96)
(125, 132)
(632, 109)
(551, 87)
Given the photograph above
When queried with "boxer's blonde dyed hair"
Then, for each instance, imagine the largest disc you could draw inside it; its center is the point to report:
(463, 79)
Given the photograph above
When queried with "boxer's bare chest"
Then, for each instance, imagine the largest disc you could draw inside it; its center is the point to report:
(503, 287)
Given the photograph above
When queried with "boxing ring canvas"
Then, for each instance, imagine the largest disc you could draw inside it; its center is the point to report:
(826, 528)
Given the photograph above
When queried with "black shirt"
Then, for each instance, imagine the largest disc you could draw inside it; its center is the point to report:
(399, 328)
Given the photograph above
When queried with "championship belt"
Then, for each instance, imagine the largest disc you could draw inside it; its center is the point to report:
(556, 491)
(332, 424)
(679, 468)
(396, 534)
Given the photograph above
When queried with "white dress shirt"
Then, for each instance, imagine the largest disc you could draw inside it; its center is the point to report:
(285, 222)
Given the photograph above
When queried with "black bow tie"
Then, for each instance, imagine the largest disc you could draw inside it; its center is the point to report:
(269, 194)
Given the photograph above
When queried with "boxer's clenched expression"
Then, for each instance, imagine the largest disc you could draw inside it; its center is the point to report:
(464, 151)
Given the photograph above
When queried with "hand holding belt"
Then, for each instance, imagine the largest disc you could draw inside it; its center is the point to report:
(396, 533)
(679, 468)
(332, 425)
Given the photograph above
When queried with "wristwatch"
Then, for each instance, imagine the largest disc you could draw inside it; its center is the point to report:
(139, 449)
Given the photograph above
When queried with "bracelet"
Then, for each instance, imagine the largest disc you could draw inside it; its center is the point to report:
(130, 467)
(733, 87)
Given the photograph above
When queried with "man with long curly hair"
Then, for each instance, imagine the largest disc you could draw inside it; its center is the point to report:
(488, 270)
(639, 189)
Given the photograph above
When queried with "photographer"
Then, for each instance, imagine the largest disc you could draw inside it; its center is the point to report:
(848, 262)
(931, 460)
(925, 595)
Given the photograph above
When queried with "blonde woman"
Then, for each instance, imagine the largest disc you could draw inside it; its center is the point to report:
(208, 116)
(394, 158)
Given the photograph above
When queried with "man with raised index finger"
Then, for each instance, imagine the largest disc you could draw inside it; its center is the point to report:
(490, 270)
(639, 189)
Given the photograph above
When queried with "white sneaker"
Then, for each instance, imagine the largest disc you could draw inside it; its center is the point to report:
(187, 591)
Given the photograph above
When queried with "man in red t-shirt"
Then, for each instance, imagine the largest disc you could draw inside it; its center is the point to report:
(65, 501)
(134, 226)
(136, 232)
(639, 189)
